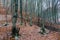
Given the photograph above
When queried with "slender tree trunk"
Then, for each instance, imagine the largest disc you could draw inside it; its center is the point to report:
(21, 12)
(14, 18)
(6, 13)
(42, 22)
(38, 15)
(26, 16)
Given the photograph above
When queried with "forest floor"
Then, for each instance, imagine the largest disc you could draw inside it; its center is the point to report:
(27, 32)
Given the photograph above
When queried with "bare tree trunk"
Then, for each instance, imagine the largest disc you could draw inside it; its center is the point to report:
(14, 18)
(21, 12)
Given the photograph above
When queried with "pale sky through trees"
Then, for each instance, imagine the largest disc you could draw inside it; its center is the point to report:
(44, 2)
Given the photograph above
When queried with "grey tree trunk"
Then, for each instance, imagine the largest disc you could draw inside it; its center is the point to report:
(14, 18)
(21, 12)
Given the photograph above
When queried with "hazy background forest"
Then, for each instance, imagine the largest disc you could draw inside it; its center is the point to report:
(42, 7)
(47, 9)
